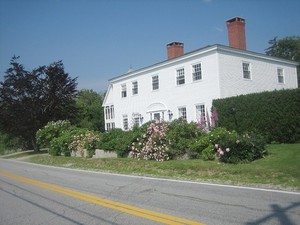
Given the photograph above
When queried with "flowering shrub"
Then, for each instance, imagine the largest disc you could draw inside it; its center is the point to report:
(86, 141)
(244, 148)
(209, 139)
(153, 144)
(60, 145)
(52, 130)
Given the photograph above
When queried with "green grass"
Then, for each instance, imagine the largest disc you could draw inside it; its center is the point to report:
(280, 169)
(18, 155)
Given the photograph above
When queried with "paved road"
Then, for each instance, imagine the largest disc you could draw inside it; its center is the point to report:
(28, 199)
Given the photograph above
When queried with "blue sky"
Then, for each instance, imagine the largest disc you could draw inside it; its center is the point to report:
(100, 39)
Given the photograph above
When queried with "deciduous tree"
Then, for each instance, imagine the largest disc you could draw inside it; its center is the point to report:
(90, 116)
(30, 99)
(287, 48)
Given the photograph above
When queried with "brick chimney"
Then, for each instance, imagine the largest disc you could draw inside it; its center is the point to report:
(236, 33)
(175, 49)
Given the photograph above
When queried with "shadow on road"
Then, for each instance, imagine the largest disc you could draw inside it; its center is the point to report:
(279, 213)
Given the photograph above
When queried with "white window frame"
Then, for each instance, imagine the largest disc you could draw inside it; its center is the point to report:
(180, 76)
(108, 126)
(200, 111)
(247, 70)
(123, 91)
(197, 71)
(135, 88)
(136, 121)
(125, 122)
(182, 113)
(112, 112)
(107, 112)
(280, 75)
(155, 83)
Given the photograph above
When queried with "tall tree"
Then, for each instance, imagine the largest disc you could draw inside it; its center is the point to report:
(287, 48)
(89, 104)
(30, 99)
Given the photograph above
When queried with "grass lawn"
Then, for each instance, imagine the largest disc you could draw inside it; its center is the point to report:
(280, 169)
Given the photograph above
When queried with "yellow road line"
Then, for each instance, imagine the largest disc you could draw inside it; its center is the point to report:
(148, 214)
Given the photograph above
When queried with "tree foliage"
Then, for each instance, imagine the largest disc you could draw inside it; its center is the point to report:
(30, 99)
(90, 116)
(287, 48)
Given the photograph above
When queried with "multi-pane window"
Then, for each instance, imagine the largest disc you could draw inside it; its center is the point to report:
(182, 113)
(112, 112)
(197, 73)
(180, 79)
(125, 122)
(109, 112)
(155, 83)
(136, 121)
(110, 126)
(246, 70)
(280, 75)
(134, 88)
(123, 91)
(200, 111)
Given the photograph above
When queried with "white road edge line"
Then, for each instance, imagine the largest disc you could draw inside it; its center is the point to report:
(161, 179)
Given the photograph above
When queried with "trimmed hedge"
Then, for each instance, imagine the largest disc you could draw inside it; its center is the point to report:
(275, 115)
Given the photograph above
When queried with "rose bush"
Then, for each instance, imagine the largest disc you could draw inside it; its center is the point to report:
(153, 144)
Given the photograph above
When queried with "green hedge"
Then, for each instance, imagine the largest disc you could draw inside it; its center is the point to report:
(275, 115)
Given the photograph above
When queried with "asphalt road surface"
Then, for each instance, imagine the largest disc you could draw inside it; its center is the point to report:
(34, 194)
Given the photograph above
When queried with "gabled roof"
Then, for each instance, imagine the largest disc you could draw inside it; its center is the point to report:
(106, 98)
(206, 49)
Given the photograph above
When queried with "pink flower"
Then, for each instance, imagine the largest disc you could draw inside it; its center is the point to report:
(227, 149)
(216, 145)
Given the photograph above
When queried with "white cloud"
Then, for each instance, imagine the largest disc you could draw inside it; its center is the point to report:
(219, 29)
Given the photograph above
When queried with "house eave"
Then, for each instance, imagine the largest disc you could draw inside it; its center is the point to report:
(207, 49)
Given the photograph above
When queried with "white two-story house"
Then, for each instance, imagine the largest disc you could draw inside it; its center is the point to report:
(185, 84)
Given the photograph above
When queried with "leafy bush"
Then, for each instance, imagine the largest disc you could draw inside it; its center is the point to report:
(60, 144)
(8, 143)
(180, 134)
(243, 148)
(198, 145)
(214, 136)
(119, 140)
(208, 153)
(153, 144)
(52, 130)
